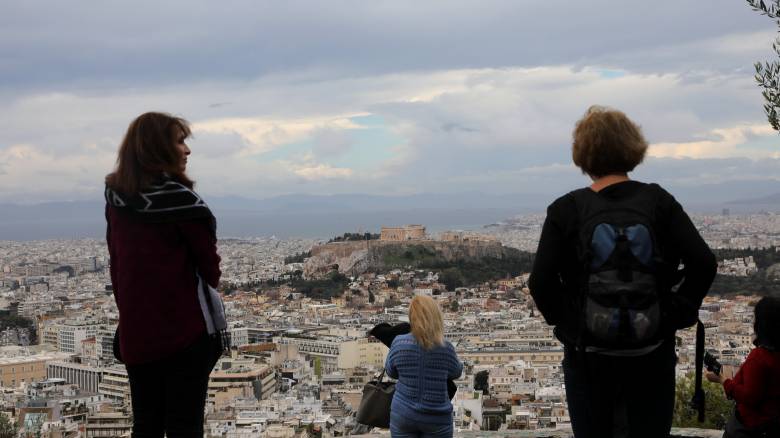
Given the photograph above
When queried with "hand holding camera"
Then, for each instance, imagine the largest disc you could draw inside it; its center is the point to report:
(713, 368)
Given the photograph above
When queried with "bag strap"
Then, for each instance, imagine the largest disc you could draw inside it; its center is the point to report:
(381, 375)
(698, 400)
(590, 203)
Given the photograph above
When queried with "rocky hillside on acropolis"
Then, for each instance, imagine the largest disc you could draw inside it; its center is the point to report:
(381, 256)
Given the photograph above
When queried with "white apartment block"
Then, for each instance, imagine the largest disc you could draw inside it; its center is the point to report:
(72, 333)
(339, 353)
(238, 336)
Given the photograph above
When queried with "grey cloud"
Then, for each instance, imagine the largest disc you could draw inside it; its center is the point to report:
(211, 144)
(490, 129)
(451, 126)
(688, 171)
(114, 44)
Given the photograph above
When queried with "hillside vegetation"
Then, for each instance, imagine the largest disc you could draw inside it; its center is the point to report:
(461, 269)
(765, 282)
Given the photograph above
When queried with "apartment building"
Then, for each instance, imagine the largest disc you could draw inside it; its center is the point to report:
(242, 378)
(26, 368)
(115, 385)
(73, 332)
(336, 353)
(86, 377)
(499, 356)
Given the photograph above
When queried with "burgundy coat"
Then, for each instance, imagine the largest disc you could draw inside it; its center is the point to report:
(153, 272)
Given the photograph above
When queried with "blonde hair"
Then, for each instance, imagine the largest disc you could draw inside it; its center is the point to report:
(607, 142)
(426, 321)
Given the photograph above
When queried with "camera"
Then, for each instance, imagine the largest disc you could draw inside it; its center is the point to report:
(712, 364)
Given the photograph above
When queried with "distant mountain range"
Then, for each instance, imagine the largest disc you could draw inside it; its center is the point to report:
(772, 200)
(283, 216)
(327, 216)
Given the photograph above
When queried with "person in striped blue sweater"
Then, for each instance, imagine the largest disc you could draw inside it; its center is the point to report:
(422, 361)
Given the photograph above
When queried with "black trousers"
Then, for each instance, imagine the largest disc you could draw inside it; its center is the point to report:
(614, 397)
(736, 429)
(169, 395)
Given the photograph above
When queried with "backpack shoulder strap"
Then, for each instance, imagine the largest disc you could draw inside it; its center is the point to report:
(592, 207)
(588, 203)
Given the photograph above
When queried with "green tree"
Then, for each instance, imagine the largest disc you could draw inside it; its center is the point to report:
(318, 367)
(454, 306)
(717, 410)
(297, 258)
(314, 431)
(451, 278)
(768, 73)
(8, 429)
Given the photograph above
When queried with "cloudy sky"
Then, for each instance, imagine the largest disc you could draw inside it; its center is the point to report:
(395, 97)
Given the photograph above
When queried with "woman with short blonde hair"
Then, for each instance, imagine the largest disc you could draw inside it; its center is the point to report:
(422, 361)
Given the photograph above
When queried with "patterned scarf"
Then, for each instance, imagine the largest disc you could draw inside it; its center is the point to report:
(164, 201)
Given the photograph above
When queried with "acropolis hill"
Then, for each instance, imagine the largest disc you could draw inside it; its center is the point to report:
(404, 247)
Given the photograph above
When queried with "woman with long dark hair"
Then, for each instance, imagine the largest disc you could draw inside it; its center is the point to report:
(164, 270)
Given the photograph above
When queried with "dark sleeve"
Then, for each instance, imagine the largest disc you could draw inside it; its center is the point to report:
(748, 385)
(386, 333)
(203, 246)
(380, 332)
(390, 368)
(545, 282)
(700, 268)
(456, 367)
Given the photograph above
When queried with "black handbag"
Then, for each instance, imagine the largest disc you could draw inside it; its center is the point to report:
(374, 407)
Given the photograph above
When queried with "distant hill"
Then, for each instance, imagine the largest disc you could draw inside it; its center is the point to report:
(771, 200)
(283, 216)
(462, 263)
(759, 284)
(322, 216)
(766, 282)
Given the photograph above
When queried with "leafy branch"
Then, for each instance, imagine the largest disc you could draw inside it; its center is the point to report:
(768, 73)
(771, 11)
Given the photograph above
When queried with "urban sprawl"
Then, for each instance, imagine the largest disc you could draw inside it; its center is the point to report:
(300, 357)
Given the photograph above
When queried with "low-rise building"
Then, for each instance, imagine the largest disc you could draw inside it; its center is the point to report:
(21, 366)
(84, 376)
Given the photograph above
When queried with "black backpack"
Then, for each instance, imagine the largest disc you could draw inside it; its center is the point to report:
(622, 266)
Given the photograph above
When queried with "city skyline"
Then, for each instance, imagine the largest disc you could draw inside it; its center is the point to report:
(301, 357)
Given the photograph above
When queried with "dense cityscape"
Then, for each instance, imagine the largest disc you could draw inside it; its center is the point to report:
(299, 311)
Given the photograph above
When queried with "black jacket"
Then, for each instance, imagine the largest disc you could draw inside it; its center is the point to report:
(554, 281)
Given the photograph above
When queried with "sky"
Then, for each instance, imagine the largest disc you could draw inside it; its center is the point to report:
(387, 98)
